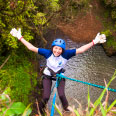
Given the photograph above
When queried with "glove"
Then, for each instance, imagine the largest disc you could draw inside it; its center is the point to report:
(99, 38)
(103, 38)
(16, 33)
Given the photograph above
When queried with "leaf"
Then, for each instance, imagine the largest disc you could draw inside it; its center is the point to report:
(56, 107)
(109, 108)
(4, 96)
(27, 111)
(8, 112)
(102, 110)
(76, 112)
(18, 107)
(97, 102)
(88, 99)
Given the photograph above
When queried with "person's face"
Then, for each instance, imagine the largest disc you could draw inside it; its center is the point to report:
(57, 51)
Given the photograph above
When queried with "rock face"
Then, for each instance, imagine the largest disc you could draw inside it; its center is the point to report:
(110, 51)
(86, 26)
(84, 29)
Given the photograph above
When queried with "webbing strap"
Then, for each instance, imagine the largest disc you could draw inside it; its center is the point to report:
(87, 83)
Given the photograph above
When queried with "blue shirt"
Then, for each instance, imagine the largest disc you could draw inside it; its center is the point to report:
(53, 62)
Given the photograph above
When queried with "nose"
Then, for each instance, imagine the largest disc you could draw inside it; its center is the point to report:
(57, 50)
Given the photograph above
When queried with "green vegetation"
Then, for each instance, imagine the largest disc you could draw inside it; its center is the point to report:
(9, 108)
(110, 25)
(110, 39)
(19, 77)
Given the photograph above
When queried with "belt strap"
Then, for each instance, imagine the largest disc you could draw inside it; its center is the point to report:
(58, 72)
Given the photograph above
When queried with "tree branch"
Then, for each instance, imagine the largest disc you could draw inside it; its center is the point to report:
(63, 8)
(4, 62)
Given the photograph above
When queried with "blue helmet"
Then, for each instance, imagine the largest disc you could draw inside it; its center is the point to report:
(59, 42)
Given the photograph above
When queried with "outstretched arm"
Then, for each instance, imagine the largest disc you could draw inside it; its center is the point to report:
(29, 45)
(17, 34)
(98, 39)
(84, 48)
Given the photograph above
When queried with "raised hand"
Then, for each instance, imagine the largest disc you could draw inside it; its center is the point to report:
(99, 38)
(16, 33)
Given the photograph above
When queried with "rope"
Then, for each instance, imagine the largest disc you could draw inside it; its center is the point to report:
(58, 82)
(54, 99)
(91, 84)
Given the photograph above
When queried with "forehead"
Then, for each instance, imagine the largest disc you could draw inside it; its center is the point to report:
(58, 47)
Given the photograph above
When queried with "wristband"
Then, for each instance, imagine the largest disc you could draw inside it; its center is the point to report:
(20, 38)
(93, 42)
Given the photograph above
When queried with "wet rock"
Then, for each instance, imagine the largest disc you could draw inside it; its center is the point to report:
(110, 51)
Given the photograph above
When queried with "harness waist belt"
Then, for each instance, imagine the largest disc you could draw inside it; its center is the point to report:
(54, 73)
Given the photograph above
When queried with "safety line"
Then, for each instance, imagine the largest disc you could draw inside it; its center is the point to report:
(54, 99)
(87, 83)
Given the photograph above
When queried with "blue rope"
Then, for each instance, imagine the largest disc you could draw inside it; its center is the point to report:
(58, 82)
(53, 87)
(91, 84)
(54, 99)
(53, 105)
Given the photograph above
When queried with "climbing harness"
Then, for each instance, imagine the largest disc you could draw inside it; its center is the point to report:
(53, 74)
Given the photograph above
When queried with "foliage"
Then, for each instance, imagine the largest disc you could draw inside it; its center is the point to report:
(72, 8)
(18, 75)
(108, 33)
(25, 14)
(111, 42)
(9, 108)
(11, 15)
(113, 14)
(54, 5)
(110, 12)
(104, 110)
(111, 5)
